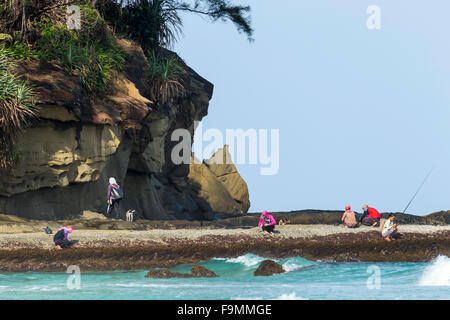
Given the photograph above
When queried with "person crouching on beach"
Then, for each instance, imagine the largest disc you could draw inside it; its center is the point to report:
(370, 217)
(389, 228)
(267, 223)
(349, 218)
(61, 238)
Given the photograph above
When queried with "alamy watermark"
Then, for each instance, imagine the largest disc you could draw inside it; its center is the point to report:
(251, 146)
(73, 20)
(373, 22)
(374, 280)
(73, 282)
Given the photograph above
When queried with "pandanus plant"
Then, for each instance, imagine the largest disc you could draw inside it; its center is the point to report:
(165, 77)
(17, 109)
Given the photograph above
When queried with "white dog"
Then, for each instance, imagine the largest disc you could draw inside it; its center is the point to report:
(130, 215)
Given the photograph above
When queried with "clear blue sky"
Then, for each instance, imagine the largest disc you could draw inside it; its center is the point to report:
(363, 114)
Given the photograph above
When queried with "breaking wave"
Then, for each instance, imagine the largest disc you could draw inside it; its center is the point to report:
(252, 260)
(248, 260)
(437, 273)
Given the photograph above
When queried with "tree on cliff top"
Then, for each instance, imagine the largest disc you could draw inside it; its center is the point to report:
(155, 23)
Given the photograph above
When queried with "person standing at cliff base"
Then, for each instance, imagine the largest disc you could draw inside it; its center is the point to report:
(61, 238)
(113, 198)
(370, 217)
(267, 223)
(349, 218)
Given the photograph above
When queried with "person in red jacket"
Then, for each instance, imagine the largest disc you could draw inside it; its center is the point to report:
(370, 217)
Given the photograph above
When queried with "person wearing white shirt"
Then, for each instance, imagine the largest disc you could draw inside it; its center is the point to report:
(389, 228)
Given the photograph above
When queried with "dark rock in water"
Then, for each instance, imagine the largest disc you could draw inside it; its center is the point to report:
(268, 268)
(201, 272)
(196, 272)
(166, 274)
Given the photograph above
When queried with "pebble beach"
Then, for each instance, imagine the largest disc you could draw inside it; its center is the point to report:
(15, 237)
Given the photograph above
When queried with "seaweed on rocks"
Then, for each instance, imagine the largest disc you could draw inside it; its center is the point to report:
(369, 246)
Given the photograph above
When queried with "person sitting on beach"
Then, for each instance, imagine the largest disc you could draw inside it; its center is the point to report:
(283, 221)
(267, 223)
(349, 218)
(389, 228)
(370, 217)
(61, 238)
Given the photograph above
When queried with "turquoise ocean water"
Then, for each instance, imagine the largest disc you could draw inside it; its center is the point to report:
(304, 280)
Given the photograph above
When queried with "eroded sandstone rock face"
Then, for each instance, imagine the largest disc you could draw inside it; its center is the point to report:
(209, 188)
(52, 156)
(218, 182)
(80, 140)
(222, 166)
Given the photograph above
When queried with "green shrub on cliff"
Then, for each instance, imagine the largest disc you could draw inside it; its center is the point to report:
(92, 50)
(16, 109)
(164, 77)
(94, 60)
(18, 50)
(39, 32)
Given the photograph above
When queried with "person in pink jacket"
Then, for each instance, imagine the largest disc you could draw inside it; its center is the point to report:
(349, 218)
(267, 223)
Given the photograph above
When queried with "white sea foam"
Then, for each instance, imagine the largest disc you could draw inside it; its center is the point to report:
(247, 298)
(154, 285)
(252, 260)
(294, 264)
(42, 288)
(249, 260)
(437, 273)
(284, 296)
(290, 296)
(290, 266)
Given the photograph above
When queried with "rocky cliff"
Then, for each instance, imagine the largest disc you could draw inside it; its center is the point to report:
(80, 140)
(220, 183)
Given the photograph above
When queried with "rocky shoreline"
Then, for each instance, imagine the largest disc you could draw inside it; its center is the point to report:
(143, 250)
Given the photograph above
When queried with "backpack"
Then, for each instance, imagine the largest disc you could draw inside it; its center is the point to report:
(382, 222)
(117, 194)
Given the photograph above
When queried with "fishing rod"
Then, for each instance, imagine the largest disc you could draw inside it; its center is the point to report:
(420, 187)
